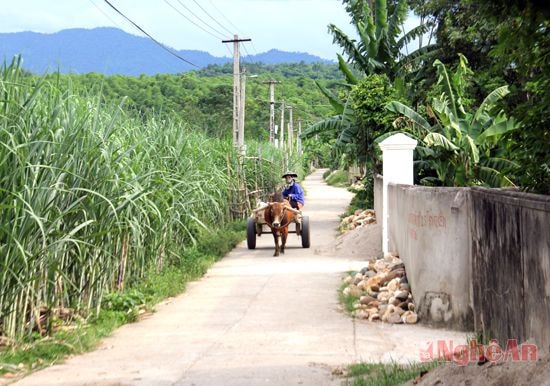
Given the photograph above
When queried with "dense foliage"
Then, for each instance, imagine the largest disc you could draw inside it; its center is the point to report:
(204, 98)
(506, 46)
(462, 147)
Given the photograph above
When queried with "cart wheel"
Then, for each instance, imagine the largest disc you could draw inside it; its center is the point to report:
(298, 229)
(251, 233)
(305, 231)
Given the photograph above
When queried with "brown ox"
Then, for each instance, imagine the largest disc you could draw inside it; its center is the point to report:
(278, 215)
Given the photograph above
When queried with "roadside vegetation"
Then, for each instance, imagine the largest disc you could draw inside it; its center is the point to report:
(471, 89)
(75, 334)
(105, 212)
(383, 374)
(338, 178)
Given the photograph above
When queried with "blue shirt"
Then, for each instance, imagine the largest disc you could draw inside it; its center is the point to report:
(296, 191)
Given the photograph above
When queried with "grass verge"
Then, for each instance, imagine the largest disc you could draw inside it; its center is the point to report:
(338, 178)
(119, 308)
(380, 374)
(348, 300)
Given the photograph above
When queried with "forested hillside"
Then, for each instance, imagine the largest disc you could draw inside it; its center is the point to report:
(204, 98)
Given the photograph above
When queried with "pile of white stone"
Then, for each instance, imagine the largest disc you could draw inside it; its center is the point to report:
(383, 292)
(358, 219)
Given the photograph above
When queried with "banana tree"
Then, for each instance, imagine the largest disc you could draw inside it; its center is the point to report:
(461, 147)
(382, 40)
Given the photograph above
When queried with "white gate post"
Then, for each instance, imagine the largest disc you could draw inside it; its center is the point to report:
(397, 159)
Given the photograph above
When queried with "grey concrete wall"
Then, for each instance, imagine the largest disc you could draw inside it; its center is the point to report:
(429, 230)
(476, 258)
(511, 265)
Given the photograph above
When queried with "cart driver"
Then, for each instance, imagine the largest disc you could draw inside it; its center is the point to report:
(293, 191)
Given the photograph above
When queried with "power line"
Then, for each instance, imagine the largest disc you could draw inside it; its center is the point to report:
(220, 34)
(247, 54)
(254, 48)
(226, 19)
(105, 14)
(210, 16)
(150, 37)
(229, 50)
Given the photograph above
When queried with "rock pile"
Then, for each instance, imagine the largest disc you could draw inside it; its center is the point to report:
(382, 292)
(358, 219)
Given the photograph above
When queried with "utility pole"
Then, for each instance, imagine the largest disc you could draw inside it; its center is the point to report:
(242, 95)
(271, 84)
(290, 129)
(299, 139)
(236, 88)
(282, 127)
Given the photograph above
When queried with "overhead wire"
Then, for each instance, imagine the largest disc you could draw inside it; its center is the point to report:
(220, 35)
(191, 21)
(148, 35)
(246, 53)
(222, 15)
(106, 14)
(211, 17)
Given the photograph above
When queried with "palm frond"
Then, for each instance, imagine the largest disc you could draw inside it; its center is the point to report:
(413, 34)
(400, 108)
(334, 101)
(396, 21)
(446, 83)
(499, 163)
(472, 149)
(495, 95)
(430, 181)
(381, 22)
(439, 140)
(347, 44)
(344, 68)
(500, 126)
(348, 128)
(333, 123)
(493, 177)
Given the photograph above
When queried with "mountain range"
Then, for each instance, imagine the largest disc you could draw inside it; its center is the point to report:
(112, 51)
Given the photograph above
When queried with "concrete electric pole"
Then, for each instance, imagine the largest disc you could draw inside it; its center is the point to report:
(242, 97)
(237, 140)
(282, 127)
(271, 84)
(290, 130)
(299, 139)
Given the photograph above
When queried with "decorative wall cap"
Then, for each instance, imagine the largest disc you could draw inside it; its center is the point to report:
(398, 142)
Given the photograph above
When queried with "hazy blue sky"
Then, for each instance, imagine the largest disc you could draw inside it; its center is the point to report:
(290, 25)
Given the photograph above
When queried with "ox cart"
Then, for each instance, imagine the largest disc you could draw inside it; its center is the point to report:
(257, 226)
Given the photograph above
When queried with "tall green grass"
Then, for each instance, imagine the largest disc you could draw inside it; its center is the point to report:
(93, 200)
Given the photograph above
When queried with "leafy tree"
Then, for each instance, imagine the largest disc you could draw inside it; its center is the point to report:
(381, 40)
(506, 42)
(461, 147)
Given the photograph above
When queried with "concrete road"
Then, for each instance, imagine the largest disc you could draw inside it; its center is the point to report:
(254, 319)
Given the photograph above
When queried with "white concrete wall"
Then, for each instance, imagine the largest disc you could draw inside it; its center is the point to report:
(397, 167)
(378, 186)
(429, 230)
